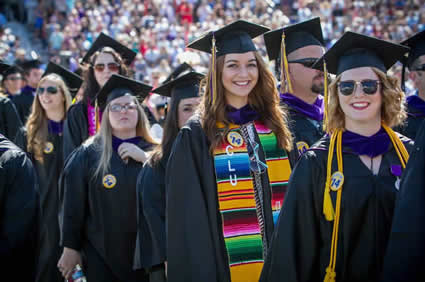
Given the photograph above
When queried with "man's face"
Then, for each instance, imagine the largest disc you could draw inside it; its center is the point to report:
(417, 74)
(34, 77)
(302, 75)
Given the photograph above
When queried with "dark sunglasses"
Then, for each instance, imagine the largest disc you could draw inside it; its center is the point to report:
(52, 90)
(307, 62)
(14, 78)
(117, 108)
(111, 66)
(420, 68)
(369, 86)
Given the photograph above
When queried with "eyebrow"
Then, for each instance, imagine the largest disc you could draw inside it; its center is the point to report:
(236, 61)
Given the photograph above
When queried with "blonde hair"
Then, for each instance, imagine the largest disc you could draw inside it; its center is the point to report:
(103, 139)
(37, 122)
(392, 109)
(264, 98)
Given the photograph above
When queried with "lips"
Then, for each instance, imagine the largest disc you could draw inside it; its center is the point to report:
(241, 83)
(360, 105)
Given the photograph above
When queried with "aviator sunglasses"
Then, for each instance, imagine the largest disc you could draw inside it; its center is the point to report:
(51, 90)
(307, 62)
(111, 66)
(369, 86)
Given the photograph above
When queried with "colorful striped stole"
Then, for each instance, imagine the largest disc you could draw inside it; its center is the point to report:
(236, 199)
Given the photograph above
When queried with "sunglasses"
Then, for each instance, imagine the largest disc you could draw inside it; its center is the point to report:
(52, 90)
(369, 86)
(111, 66)
(117, 108)
(307, 62)
(14, 78)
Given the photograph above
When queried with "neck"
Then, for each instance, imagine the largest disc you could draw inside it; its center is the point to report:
(14, 91)
(124, 134)
(421, 94)
(236, 101)
(55, 115)
(365, 129)
(307, 96)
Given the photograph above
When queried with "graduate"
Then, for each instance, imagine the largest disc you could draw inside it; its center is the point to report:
(10, 122)
(18, 204)
(295, 49)
(183, 89)
(336, 219)
(99, 216)
(105, 57)
(42, 140)
(415, 103)
(405, 257)
(227, 173)
(12, 80)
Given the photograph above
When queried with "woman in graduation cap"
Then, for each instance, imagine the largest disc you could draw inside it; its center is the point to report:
(98, 216)
(227, 173)
(183, 89)
(336, 220)
(42, 139)
(104, 58)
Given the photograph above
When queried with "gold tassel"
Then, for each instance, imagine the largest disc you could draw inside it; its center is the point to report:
(96, 110)
(326, 98)
(284, 66)
(74, 100)
(213, 81)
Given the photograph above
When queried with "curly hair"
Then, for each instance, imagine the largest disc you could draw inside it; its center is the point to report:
(264, 98)
(393, 111)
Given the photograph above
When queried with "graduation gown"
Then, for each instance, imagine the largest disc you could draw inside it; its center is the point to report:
(300, 250)
(48, 173)
(18, 212)
(412, 123)
(195, 244)
(75, 130)
(10, 122)
(99, 214)
(23, 102)
(405, 257)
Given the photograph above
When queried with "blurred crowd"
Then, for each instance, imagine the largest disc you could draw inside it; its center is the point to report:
(160, 29)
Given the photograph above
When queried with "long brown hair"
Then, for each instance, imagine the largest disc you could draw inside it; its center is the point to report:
(264, 98)
(36, 125)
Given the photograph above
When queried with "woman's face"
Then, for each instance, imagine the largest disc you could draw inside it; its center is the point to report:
(359, 107)
(186, 109)
(123, 114)
(104, 67)
(51, 96)
(239, 77)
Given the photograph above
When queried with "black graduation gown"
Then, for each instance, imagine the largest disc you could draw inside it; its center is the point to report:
(48, 173)
(18, 213)
(300, 250)
(10, 122)
(23, 102)
(412, 123)
(405, 257)
(98, 220)
(195, 243)
(75, 130)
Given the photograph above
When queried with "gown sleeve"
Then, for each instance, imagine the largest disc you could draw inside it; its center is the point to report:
(21, 139)
(75, 129)
(190, 248)
(294, 249)
(9, 118)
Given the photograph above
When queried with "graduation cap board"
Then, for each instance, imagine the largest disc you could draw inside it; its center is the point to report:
(118, 86)
(6, 69)
(72, 81)
(184, 86)
(180, 69)
(104, 40)
(30, 64)
(417, 46)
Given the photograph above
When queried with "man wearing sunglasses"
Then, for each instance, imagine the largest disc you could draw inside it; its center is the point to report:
(301, 85)
(416, 102)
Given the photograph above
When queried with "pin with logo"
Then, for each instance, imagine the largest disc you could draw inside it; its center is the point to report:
(48, 148)
(234, 139)
(109, 181)
(337, 180)
(302, 147)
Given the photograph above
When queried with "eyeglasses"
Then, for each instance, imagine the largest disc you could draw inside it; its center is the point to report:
(369, 86)
(117, 108)
(307, 62)
(111, 66)
(14, 78)
(51, 90)
(420, 68)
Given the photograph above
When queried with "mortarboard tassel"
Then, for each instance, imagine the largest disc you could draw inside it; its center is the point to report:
(284, 67)
(96, 110)
(326, 97)
(213, 78)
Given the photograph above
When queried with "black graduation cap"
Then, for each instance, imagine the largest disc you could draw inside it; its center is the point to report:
(72, 80)
(104, 40)
(6, 69)
(417, 46)
(233, 38)
(354, 50)
(30, 64)
(118, 86)
(296, 36)
(3, 67)
(186, 85)
(185, 67)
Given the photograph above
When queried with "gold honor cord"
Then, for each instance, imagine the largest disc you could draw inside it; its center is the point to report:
(326, 97)
(213, 80)
(284, 66)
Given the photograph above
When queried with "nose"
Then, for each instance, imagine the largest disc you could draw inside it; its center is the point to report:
(243, 71)
(358, 90)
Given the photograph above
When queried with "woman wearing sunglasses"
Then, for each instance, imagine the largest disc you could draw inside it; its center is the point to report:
(227, 173)
(99, 218)
(42, 140)
(105, 58)
(338, 211)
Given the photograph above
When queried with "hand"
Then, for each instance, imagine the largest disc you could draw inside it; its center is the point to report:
(165, 267)
(129, 150)
(69, 259)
